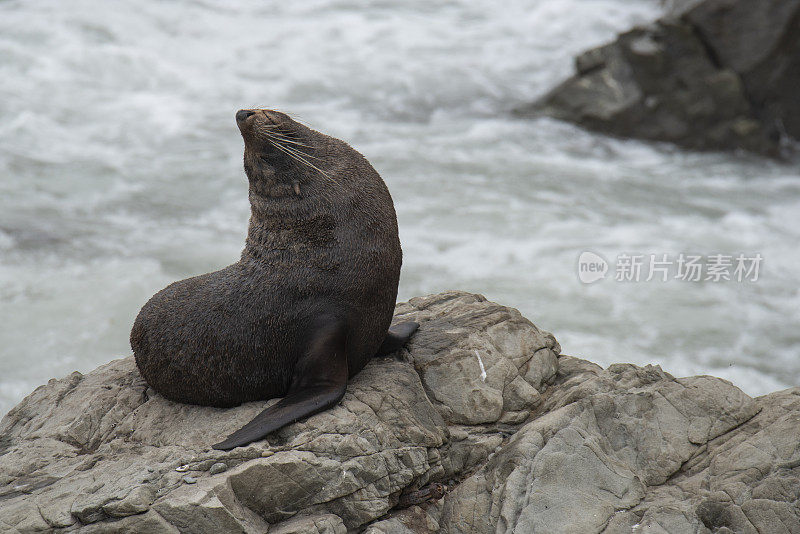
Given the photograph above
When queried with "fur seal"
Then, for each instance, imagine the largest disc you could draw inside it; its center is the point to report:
(309, 302)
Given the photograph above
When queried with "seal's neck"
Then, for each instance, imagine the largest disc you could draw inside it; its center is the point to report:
(288, 223)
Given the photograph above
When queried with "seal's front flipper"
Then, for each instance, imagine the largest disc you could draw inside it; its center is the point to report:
(397, 337)
(319, 381)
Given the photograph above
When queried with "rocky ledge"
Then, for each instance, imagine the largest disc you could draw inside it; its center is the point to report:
(711, 74)
(479, 425)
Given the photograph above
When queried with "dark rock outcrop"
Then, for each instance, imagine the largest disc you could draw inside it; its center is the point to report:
(712, 74)
(478, 426)
(760, 41)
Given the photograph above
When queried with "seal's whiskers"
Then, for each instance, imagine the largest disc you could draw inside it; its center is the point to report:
(283, 140)
(285, 137)
(277, 131)
(295, 156)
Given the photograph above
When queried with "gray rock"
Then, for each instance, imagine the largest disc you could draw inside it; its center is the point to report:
(545, 443)
(414, 520)
(102, 452)
(466, 331)
(321, 524)
(712, 74)
(218, 468)
(634, 447)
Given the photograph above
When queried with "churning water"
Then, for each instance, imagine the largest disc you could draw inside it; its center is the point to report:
(120, 171)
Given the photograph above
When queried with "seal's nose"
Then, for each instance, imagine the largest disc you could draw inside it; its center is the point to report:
(242, 114)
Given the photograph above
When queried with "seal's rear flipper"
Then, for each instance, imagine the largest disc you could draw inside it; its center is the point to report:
(397, 337)
(319, 381)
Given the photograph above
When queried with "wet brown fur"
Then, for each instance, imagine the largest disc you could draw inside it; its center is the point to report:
(329, 253)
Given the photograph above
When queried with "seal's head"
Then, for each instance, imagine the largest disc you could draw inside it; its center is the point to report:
(311, 182)
(280, 154)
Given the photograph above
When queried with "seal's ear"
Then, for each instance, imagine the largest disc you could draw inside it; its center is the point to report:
(319, 381)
